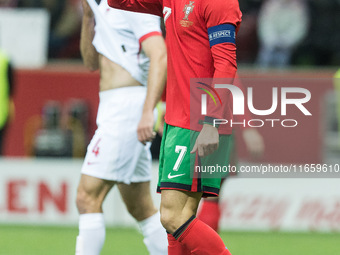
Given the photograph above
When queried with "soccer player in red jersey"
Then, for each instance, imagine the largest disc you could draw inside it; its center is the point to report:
(201, 44)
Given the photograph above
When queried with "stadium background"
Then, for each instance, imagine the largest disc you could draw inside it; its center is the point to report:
(56, 101)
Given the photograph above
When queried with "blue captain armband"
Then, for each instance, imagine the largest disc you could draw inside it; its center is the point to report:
(225, 33)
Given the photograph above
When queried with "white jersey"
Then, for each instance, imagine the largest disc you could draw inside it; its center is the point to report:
(119, 34)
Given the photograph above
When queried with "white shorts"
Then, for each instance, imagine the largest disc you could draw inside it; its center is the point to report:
(114, 152)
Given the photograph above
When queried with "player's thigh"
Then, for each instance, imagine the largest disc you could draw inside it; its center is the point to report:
(178, 206)
(90, 187)
(137, 198)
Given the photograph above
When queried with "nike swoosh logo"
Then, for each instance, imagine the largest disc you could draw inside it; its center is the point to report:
(92, 163)
(174, 176)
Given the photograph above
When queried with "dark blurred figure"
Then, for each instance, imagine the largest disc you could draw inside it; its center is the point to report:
(282, 25)
(247, 39)
(6, 92)
(322, 46)
(51, 140)
(8, 3)
(64, 25)
(76, 123)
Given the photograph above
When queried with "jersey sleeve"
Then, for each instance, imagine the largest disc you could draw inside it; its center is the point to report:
(143, 6)
(220, 12)
(222, 19)
(144, 25)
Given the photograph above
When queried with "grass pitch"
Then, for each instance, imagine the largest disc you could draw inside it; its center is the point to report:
(38, 240)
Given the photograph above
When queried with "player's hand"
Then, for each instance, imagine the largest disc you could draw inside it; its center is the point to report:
(207, 141)
(87, 11)
(145, 131)
(254, 142)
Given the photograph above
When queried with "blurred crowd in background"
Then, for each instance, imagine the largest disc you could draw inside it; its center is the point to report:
(274, 33)
(65, 22)
(284, 32)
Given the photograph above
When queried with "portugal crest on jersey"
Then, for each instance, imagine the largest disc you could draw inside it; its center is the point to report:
(188, 8)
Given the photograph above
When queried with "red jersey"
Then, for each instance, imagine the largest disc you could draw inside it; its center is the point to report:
(200, 37)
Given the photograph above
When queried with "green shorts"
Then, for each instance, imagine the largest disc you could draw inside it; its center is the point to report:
(181, 170)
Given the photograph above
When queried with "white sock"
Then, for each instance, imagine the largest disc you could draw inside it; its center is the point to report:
(91, 234)
(155, 237)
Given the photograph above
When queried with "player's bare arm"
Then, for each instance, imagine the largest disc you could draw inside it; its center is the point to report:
(154, 47)
(87, 50)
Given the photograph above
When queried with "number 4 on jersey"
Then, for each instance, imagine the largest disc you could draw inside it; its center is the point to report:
(181, 150)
